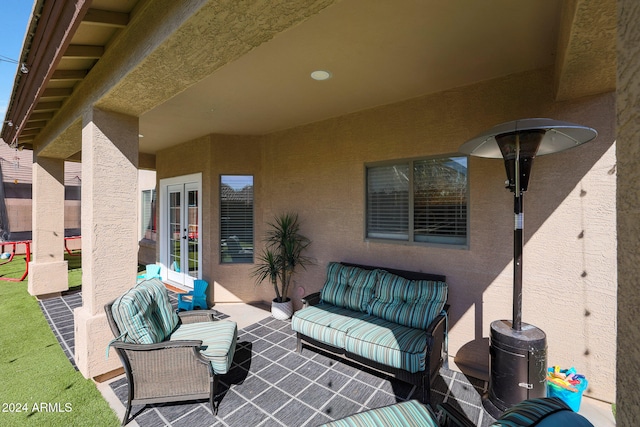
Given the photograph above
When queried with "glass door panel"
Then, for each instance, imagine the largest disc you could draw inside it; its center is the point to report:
(193, 237)
(175, 233)
(182, 249)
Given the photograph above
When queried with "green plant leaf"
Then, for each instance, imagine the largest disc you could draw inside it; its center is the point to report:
(284, 246)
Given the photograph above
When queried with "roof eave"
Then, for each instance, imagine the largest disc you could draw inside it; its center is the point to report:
(50, 31)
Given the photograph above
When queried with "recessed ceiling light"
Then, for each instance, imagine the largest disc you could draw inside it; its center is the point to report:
(320, 75)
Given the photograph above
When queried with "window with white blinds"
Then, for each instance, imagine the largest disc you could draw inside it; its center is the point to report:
(423, 201)
(388, 202)
(148, 212)
(236, 219)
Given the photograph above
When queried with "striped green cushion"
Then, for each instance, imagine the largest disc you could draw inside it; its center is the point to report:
(349, 287)
(167, 316)
(218, 341)
(144, 313)
(411, 413)
(531, 412)
(326, 323)
(389, 343)
(413, 303)
(361, 285)
(335, 286)
(390, 287)
(133, 312)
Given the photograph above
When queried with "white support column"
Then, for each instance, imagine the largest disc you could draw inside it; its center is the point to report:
(48, 274)
(109, 231)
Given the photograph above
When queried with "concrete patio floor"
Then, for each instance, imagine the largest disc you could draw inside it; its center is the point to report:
(271, 385)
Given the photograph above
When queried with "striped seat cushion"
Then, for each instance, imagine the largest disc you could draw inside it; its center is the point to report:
(326, 323)
(218, 341)
(336, 284)
(413, 303)
(134, 314)
(349, 287)
(164, 311)
(360, 288)
(389, 343)
(411, 413)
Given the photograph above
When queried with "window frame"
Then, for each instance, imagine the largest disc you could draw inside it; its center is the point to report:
(251, 259)
(149, 232)
(410, 240)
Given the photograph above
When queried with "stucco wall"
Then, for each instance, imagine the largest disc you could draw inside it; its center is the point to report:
(235, 155)
(215, 155)
(628, 132)
(570, 254)
(184, 159)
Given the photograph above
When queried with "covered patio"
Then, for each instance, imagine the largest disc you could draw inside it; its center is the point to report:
(218, 96)
(272, 385)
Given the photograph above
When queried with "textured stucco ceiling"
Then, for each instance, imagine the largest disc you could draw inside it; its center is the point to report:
(378, 52)
(188, 69)
(586, 62)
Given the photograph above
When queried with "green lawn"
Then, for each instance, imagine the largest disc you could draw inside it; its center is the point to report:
(38, 385)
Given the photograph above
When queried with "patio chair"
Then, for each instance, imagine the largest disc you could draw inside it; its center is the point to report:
(168, 356)
(152, 272)
(540, 412)
(195, 298)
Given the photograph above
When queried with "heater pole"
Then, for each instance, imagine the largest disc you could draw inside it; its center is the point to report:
(518, 351)
(517, 243)
(517, 263)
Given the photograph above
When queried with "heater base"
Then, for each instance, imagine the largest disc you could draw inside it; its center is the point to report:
(518, 366)
(491, 409)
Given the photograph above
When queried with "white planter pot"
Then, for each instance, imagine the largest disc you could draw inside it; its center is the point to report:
(282, 310)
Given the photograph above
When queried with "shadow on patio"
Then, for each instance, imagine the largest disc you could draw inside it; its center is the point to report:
(272, 385)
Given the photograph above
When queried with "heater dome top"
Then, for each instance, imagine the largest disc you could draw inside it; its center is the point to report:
(558, 136)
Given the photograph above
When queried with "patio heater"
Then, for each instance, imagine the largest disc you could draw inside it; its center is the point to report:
(518, 351)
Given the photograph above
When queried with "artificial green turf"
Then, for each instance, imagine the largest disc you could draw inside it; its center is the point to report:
(16, 267)
(38, 384)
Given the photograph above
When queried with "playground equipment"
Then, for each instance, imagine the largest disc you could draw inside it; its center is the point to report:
(27, 251)
(14, 245)
(72, 252)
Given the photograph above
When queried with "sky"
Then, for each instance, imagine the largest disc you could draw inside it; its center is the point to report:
(14, 18)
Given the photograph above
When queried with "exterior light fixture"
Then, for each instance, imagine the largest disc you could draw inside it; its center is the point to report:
(23, 66)
(321, 75)
(519, 351)
(9, 123)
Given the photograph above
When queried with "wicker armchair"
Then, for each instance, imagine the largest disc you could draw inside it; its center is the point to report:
(180, 366)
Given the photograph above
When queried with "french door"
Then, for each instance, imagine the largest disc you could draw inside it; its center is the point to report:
(180, 235)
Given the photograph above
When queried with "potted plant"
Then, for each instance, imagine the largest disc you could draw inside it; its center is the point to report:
(279, 259)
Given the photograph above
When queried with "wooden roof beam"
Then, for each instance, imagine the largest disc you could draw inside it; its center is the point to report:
(47, 106)
(28, 132)
(57, 92)
(84, 51)
(35, 124)
(69, 75)
(106, 18)
(41, 116)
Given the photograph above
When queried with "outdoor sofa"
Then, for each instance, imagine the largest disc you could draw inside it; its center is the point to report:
(393, 321)
(168, 356)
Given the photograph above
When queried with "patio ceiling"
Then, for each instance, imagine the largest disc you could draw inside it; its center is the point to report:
(378, 52)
